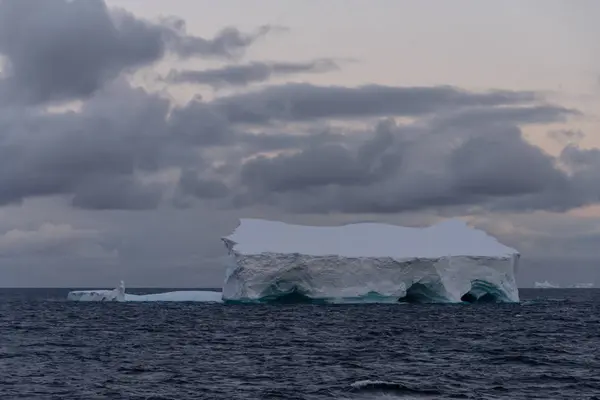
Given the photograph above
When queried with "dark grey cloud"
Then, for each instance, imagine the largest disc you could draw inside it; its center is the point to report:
(324, 165)
(53, 240)
(245, 74)
(102, 155)
(116, 193)
(576, 188)
(305, 102)
(117, 134)
(464, 149)
(580, 160)
(278, 140)
(475, 117)
(199, 123)
(501, 164)
(99, 156)
(461, 163)
(61, 50)
(229, 42)
(192, 184)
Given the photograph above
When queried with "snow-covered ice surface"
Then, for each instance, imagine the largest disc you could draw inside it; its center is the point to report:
(183, 295)
(119, 294)
(367, 262)
(449, 238)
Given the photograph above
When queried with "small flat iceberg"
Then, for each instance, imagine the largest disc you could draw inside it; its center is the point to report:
(545, 285)
(118, 294)
(582, 286)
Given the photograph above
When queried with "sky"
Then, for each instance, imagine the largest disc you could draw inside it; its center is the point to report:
(135, 133)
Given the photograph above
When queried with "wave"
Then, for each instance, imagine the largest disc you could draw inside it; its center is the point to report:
(395, 388)
(293, 296)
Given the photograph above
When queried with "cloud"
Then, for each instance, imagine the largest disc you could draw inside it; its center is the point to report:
(275, 141)
(244, 75)
(200, 124)
(306, 102)
(322, 165)
(199, 187)
(261, 147)
(117, 133)
(476, 117)
(117, 193)
(566, 136)
(228, 43)
(577, 188)
(463, 162)
(100, 156)
(58, 50)
(53, 240)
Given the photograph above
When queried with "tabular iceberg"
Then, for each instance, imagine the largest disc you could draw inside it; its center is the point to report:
(118, 294)
(449, 262)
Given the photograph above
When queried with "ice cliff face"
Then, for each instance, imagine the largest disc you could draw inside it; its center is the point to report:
(448, 262)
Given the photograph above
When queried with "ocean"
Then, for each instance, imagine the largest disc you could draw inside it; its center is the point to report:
(546, 347)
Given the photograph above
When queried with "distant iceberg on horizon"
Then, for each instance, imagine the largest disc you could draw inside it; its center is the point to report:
(582, 286)
(545, 285)
(275, 262)
(449, 262)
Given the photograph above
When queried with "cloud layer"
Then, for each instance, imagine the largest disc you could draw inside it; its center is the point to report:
(51, 240)
(246, 74)
(458, 148)
(63, 50)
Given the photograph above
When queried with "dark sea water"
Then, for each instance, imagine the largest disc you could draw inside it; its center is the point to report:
(547, 347)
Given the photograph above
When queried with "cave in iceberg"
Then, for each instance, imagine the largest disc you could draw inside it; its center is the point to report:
(449, 262)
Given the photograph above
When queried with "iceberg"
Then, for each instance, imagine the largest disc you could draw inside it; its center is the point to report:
(582, 286)
(118, 294)
(450, 262)
(545, 285)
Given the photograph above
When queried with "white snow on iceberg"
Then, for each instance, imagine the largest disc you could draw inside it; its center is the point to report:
(181, 295)
(367, 262)
(119, 294)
